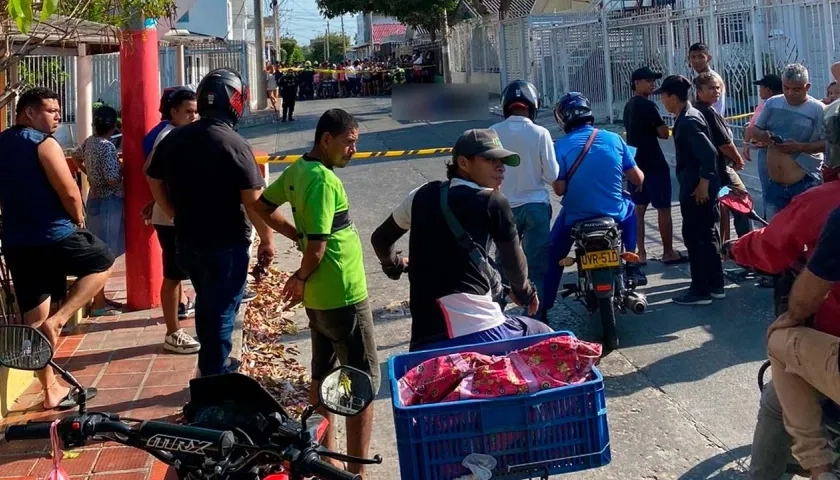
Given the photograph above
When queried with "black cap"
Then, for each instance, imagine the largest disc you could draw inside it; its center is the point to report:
(771, 81)
(645, 73)
(484, 142)
(673, 84)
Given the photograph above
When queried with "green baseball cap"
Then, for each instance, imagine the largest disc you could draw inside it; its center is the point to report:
(486, 143)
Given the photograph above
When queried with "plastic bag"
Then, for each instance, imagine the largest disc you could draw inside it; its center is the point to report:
(480, 465)
(56, 472)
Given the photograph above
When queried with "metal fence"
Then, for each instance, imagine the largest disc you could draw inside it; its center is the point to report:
(59, 73)
(595, 52)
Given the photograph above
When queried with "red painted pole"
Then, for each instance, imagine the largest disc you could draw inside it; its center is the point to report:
(139, 96)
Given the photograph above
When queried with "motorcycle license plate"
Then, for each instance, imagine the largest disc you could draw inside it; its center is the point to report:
(599, 259)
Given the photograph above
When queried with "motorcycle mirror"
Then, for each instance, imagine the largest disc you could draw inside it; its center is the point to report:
(24, 348)
(346, 391)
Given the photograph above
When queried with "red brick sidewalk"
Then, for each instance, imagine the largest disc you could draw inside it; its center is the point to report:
(123, 357)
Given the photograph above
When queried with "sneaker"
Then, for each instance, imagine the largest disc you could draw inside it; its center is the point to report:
(248, 295)
(181, 342)
(691, 298)
(718, 293)
(185, 311)
(636, 275)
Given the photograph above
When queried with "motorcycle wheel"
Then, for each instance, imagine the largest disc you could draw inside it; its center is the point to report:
(610, 335)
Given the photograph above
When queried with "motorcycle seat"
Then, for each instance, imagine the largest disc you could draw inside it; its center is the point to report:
(594, 224)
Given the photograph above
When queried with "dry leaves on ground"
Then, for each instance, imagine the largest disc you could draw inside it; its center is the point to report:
(265, 357)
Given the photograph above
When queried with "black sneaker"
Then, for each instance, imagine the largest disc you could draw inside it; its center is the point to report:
(636, 275)
(185, 311)
(691, 298)
(249, 295)
(718, 293)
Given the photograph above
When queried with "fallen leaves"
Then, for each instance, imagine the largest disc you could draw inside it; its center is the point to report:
(265, 356)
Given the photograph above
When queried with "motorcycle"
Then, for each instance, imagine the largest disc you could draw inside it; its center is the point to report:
(602, 283)
(235, 429)
(831, 425)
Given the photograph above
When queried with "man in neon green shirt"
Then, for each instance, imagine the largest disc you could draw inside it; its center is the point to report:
(331, 278)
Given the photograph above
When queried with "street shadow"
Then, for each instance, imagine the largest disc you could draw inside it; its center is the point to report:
(719, 467)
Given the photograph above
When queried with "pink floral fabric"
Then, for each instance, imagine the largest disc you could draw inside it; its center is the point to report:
(551, 363)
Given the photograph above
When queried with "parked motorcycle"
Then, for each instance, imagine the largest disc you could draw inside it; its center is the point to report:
(236, 430)
(602, 283)
(831, 425)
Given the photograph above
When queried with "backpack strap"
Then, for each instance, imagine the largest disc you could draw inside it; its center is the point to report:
(581, 155)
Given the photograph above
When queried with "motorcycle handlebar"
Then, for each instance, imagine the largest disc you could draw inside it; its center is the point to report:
(28, 431)
(185, 439)
(314, 466)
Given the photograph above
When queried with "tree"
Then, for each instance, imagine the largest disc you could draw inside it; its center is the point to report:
(427, 14)
(336, 44)
(291, 51)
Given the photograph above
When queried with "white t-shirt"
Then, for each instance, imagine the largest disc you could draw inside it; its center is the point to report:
(527, 183)
(158, 217)
(350, 72)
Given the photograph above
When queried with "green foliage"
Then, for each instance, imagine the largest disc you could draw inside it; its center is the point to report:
(116, 13)
(316, 52)
(291, 51)
(427, 14)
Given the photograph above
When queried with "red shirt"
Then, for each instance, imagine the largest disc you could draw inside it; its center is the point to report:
(794, 232)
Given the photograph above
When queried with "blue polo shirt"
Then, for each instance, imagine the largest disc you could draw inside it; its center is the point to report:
(149, 139)
(597, 187)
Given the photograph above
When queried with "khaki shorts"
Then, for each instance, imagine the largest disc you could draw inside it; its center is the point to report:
(344, 336)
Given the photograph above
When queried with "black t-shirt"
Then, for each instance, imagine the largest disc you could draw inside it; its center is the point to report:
(205, 165)
(825, 262)
(720, 134)
(641, 119)
(439, 265)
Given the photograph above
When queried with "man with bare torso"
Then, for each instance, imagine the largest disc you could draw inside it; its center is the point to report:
(792, 126)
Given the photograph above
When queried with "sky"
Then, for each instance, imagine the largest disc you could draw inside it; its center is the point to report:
(302, 20)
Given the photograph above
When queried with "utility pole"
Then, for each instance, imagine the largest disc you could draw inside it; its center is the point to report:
(259, 34)
(277, 31)
(343, 39)
(370, 34)
(327, 43)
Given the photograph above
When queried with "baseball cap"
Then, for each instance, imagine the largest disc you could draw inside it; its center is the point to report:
(645, 73)
(771, 81)
(673, 84)
(484, 142)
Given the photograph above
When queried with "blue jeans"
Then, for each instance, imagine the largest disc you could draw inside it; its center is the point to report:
(533, 222)
(778, 196)
(561, 245)
(104, 218)
(218, 276)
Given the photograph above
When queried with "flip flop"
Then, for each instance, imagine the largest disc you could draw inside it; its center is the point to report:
(105, 312)
(679, 260)
(72, 400)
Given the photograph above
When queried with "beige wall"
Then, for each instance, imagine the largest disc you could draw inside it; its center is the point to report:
(551, 6)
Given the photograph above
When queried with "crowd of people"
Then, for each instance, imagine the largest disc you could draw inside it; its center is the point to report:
(497, 192)
(369, 77)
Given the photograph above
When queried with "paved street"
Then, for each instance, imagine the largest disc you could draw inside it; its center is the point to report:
(682, 394)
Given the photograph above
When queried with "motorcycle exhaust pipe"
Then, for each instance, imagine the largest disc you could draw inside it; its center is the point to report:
(636, 302)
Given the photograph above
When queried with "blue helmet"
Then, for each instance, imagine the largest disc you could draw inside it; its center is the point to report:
(572, 110)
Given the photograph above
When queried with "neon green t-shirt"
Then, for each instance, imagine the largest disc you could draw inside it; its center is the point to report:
(320, 210)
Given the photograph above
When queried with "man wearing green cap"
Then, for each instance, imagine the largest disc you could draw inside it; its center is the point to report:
(454, 285)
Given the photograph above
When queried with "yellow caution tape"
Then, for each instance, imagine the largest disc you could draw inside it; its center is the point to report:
(323, 70)
(263, 158)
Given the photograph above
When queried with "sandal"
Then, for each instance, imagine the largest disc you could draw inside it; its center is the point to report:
(679, 260)
(72, 399)
(104, 312)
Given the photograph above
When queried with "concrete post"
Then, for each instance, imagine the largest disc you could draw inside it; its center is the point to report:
(180, 65)
(84, 103)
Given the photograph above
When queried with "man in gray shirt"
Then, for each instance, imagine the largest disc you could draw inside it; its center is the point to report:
(792, 126)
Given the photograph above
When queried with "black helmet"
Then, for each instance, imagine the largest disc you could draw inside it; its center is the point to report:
(523, 93)
(104, 119)
(572, 110)
(222, 94)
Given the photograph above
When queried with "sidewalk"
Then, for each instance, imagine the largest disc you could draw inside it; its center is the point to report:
(123, 357)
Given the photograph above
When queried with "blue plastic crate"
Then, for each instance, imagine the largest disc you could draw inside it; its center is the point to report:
(545, 433)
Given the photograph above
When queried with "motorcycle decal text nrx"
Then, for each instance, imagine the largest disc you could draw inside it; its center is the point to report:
(177, 444)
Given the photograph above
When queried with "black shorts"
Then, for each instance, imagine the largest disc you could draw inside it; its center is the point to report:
(40, 272)
(172, 269)
(656, 190)
(345, 336)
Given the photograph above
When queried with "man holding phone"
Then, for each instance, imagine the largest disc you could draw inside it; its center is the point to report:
(792, 126)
